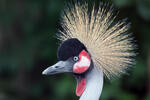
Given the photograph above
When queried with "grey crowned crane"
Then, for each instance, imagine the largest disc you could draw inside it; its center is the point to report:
(92, 46)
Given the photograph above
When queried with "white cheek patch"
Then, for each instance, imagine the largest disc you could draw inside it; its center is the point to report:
(84, 61)
(83, 64)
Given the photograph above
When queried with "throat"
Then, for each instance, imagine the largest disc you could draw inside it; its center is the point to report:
(90, 85)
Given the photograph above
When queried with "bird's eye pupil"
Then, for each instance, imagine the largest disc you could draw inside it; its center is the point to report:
(76, 58)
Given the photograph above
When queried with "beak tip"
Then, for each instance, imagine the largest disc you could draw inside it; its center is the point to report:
(44, 73)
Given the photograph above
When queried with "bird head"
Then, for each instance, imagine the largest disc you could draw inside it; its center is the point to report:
(73, 57)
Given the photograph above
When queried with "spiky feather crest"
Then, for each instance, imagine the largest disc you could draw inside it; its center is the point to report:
(109, 44)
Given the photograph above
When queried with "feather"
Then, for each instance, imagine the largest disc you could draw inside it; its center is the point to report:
(109, 43)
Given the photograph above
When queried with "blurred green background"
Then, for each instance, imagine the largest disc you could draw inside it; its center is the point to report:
(28, 46)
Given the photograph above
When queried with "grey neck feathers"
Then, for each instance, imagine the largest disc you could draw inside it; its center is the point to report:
(94, 85)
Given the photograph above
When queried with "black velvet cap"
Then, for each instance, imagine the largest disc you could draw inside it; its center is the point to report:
(69, 48)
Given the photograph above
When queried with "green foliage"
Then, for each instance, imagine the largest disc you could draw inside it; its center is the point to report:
(28, 46)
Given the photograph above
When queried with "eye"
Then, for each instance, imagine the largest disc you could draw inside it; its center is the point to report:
(75, 58)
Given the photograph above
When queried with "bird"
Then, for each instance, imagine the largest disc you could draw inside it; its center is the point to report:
(93, 45)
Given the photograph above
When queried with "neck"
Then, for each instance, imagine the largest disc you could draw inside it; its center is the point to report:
(94, 85)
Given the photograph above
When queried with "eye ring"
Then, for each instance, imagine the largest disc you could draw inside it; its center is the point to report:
(75, 58)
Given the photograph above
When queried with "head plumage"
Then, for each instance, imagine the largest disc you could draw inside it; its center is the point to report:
(109, 44)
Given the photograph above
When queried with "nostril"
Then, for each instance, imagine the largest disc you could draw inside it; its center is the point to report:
(56, 66)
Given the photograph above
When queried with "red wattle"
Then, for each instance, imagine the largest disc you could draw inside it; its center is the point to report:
(81, 87)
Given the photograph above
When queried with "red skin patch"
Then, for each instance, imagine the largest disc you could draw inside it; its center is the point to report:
(80, 70)
(83, 64)
(80, 67)
(81, 87)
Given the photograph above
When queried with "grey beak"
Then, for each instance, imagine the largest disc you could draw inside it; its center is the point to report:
(59, 67)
